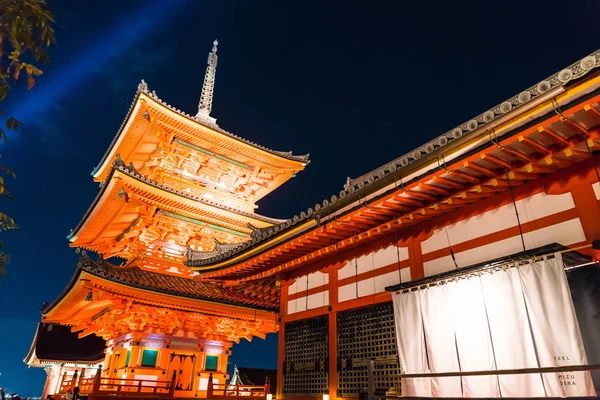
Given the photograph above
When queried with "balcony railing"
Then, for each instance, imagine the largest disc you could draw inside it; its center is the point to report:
(117, 386)
(98, 385)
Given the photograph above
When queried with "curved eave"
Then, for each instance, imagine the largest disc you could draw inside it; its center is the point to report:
(251, 248)
(353, 198)
(298, 162)
(121, 172)
(30, 358)
(41, 363)
(207, 203)
(84, 275)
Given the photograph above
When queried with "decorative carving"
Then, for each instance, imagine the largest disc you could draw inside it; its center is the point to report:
(143, 86)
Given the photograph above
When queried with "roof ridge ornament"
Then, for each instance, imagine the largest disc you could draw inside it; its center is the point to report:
(208, 87)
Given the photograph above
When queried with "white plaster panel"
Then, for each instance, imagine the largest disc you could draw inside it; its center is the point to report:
(371, 286)
(389, 255)
(147, 378)
(291, 306)
(314, 280)
(314, 300)
(565, 233)
(292, 288)
(596, 187)
(391, 278)
(530, 209)
(203, 384)
(317, 278)
(374, 260)
(318, 299)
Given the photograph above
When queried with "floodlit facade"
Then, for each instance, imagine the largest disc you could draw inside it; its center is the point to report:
(520, 179)
(516, 184)
(170, 184)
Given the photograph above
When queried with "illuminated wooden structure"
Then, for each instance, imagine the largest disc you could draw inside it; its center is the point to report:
(64, 357)
(450, 203)
(170, 184)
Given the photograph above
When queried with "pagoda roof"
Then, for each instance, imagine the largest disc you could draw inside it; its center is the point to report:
(120, 167)
(262, 297)
(144, 92)
(533, 104)
(54, 343)
(110, 200)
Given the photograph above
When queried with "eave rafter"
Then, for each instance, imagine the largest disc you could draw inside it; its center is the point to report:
(97, 304)
(480, 176)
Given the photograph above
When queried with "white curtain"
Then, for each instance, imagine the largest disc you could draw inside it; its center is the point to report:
(521, 317)
(509, 327)
(440, 341)
(411, 343)
(473, 340)
(554, 327)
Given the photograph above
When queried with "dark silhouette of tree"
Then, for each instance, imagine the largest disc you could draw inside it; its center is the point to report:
(26, 32)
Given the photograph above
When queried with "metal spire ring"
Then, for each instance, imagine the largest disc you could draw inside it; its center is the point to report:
(206, 98)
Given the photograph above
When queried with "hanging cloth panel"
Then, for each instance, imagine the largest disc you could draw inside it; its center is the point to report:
(511, 334)
(440, 341)
(411, 343)
(473, 340)
(554, 326)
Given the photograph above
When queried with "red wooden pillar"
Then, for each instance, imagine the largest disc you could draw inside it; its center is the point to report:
(96, 388)
(74, 380)
(415, 255)
(281, 342)
(333, 301)
(61, 382)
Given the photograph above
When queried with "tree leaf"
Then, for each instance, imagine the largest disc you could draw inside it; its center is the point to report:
(16, 70)
(30, 82)
(7, 171)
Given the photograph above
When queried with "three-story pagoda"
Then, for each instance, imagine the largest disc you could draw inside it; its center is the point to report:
(170, 184)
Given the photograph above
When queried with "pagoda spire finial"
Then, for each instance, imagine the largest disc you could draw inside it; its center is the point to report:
(206, 98)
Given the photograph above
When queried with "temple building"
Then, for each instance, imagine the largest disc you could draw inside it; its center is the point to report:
(518, 180)
(518, 184)
(61, 353)
(170, 183)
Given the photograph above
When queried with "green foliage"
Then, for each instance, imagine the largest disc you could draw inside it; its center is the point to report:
(26, 32)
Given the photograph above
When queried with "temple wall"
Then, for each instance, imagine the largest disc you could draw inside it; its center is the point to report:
(156, 357)
(349, 292)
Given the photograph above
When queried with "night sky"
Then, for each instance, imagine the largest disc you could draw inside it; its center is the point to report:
(355, 84)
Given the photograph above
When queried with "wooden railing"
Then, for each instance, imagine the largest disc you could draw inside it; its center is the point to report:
(112, 386)
(227, 391)
(136, 387)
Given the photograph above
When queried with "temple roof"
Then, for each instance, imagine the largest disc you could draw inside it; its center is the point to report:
(262, 297)
(111, 215)
(424, 160)
(56, 343)
(143, 89)
(119, 166)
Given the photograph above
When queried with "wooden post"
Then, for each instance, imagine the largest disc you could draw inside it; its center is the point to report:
(60, 384)
(97, 380)
(209, 389)
(172, 388)
(81, 379)
(371, 380)
(74, 380)
(267, 386)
